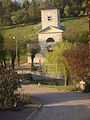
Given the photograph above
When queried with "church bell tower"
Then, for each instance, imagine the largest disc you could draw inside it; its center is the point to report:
(51, 32)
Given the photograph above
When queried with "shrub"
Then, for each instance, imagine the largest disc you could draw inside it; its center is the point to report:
(9, 83)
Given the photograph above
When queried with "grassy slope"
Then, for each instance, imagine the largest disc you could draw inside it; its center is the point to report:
(81, 24)
(26, 33)
(29, 32)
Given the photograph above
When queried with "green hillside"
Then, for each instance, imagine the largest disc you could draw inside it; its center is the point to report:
(29, 32)
(26, 33)
(80, 23)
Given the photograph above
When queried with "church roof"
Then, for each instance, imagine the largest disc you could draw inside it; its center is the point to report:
(48, 7)
(51, 29)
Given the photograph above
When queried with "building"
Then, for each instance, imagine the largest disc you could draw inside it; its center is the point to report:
(51, 32)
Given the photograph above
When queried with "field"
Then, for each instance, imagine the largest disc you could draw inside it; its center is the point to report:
(80, 23)
(29, 32)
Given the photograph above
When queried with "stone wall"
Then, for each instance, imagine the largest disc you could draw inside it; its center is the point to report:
(38, 58)
(55, 21)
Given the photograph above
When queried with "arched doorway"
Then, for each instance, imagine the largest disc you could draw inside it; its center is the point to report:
(50, 40)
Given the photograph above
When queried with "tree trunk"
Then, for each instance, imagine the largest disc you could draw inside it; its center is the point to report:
(18, 58)
(32, 59)
(32, 62)
(67, 78)
(4, 62)
(13, 63)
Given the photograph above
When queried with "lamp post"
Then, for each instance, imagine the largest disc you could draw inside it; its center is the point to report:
(16, 48)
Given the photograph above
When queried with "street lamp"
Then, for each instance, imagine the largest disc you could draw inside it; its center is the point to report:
(16, 48)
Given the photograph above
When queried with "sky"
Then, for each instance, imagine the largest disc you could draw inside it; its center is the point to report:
(20, 0)
(23, 0)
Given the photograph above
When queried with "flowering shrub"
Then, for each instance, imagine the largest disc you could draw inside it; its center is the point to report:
(9, 83)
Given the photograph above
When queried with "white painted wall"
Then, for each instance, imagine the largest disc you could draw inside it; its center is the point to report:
(55, 15)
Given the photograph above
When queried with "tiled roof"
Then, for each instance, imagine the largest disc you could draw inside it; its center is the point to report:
(48, 7)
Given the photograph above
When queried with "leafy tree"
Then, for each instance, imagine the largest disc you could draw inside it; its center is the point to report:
(10, 46)
(79, 61)
(67, 11)
(33, 48)
(56, 60)
(2, 51)
(26, 4)
(20, 16)
(34, 11)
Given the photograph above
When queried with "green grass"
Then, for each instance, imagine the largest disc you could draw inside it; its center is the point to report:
(30, 32)
(59, 88)
(80, 23)
(26, 33)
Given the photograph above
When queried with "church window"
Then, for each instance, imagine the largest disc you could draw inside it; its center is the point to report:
(49, 17)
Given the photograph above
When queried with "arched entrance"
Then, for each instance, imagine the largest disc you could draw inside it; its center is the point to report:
(50, 40)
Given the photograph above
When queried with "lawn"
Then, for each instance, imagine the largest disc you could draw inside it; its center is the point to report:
(29, 32)
(60, 88)
(80, 23)
(22, 32)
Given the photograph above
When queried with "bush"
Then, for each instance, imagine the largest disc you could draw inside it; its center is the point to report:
(87, 86)
(9, 83)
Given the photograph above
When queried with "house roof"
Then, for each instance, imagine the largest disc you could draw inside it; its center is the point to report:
(51, 29)
(48, 7)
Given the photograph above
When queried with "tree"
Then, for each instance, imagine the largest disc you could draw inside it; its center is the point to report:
(2, 51)
(33, 48)
(67, 11)
(26, 4)
(56, 60)
(79, 61)
(11, 49)
(34, 12)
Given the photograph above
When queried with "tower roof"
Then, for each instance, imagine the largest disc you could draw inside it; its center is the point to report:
(48, 7)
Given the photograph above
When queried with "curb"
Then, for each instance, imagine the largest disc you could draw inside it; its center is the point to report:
(34, 112)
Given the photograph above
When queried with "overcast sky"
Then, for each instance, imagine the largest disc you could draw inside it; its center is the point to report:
(20, 0)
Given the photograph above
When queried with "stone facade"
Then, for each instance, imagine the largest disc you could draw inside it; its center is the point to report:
(49, 32)
(38, 58)
(55, 18)
(51, 29)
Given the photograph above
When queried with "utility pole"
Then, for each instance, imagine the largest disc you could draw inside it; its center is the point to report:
(89, 16)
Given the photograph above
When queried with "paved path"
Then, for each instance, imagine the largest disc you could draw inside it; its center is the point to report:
(60, 105)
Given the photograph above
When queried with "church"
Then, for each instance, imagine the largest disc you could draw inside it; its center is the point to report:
(52, 31)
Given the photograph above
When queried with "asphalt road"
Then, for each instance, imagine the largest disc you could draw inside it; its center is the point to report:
(56, 106)
(60, 105)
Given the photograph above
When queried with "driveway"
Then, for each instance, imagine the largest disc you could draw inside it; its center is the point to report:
(60, 105)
